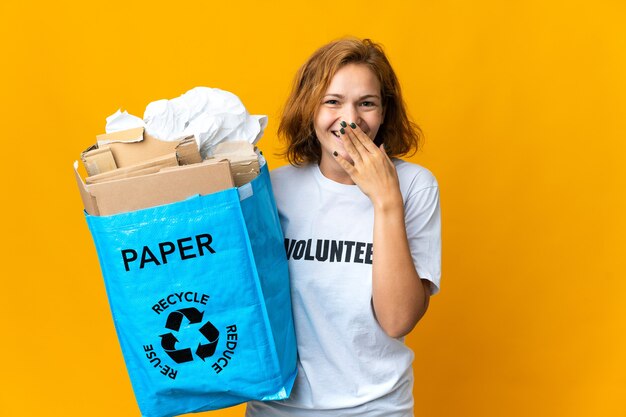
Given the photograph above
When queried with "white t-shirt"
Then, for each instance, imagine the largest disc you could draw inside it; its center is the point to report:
(347, 365)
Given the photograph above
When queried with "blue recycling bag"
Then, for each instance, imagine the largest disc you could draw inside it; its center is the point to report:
(199, 293)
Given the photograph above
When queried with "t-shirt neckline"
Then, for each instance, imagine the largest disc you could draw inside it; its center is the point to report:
(335, 186)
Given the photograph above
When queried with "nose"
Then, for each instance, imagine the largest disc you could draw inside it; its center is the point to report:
(351, 114)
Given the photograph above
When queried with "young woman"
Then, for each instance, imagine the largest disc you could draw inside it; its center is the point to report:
(362, 234)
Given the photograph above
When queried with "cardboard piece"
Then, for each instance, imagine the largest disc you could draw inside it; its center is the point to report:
(123, 136)
(164, 187)
(187, 151)
(98, 160)
(244, 162)
(147, 167)
(130, 147)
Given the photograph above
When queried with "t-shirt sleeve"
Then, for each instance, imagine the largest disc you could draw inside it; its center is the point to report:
(423, 227)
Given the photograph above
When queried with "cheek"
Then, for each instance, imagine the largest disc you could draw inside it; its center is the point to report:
(323, 116)
(323, 119)
(375, 123)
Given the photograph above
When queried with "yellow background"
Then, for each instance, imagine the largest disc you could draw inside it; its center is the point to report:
(524, 109)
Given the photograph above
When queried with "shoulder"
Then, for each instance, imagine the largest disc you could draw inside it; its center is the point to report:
(413, 177)
(283, 171)
(288, 179)
(289, 173)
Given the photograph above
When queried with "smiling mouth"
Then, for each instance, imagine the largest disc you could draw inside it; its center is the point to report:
(334, 132)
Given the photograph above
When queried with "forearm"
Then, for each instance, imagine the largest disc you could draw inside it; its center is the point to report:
(398, 296)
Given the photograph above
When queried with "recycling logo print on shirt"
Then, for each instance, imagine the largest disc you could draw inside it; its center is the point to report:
(184, 354)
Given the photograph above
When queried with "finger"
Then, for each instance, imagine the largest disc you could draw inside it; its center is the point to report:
(358, 145)
(365, 140)
(390, 165)
(384, 151)
(348, 145)
(347, 166)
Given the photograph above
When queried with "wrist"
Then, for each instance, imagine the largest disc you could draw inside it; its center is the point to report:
(389, 203)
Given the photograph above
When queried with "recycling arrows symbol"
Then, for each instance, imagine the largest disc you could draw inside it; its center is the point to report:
(169, 340)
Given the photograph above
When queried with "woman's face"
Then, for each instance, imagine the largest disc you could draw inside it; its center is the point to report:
(352, 96)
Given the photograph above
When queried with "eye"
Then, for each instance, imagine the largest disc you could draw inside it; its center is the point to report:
(331, 102)
(368, 104)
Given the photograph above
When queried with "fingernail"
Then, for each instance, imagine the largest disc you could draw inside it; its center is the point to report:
(353, 126)
(342, 130)
(343, 124)
(335, 153)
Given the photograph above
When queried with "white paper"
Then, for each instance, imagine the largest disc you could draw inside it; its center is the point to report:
(122, 121)
(210, 114)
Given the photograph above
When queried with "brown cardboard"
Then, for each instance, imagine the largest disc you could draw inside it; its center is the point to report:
(239, 147)
(89, 202)
(130, 147)
(98, 160)
(242, 177)
(244, 162)
(187, 151)
(147, 167)
(164, 187)
(127, 136)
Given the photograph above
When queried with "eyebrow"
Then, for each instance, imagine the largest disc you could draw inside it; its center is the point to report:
(361, 98)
